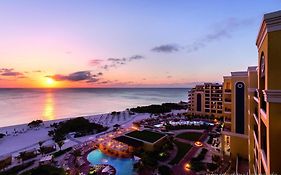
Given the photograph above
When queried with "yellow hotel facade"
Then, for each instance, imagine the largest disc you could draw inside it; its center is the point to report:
(251, 106)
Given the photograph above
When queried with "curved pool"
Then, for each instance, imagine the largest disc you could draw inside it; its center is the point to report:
(123, 166)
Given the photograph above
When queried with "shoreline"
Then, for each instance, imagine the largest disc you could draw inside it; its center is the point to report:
(29, 138)
(21, 137)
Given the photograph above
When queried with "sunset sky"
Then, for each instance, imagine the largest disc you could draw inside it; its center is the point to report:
(126, 43)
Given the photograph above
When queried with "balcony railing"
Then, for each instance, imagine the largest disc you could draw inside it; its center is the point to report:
(256, 130)
(227, 90)
(263, 138)
(256, 93)
(263, 105)
(227, 128)
(227, 100)
(256, 112)
(227, 110)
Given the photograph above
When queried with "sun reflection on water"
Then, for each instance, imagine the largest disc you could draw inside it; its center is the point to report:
(48, 112)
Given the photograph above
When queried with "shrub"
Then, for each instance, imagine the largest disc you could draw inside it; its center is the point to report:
(216, 158)
(201, 155)
(45, 170)
(61, 152)
(18, 168)
(164, 170)
(157, 109)
(197, 166)
(79, 125)
(212, 166)
(35, 123)
(2, 135)
(27, 155)
(210, 140)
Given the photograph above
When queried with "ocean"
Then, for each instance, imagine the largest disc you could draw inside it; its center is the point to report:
(18, 106)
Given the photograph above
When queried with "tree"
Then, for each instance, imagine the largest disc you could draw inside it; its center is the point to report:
(40, 143)
(76, 153)
(2, 135)
(60, 143)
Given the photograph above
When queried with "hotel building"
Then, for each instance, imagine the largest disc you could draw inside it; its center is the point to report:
(265, 108)
(206, 100)
(236, 88)
(250, 102)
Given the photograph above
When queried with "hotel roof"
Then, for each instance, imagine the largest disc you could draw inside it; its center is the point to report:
(145, 135)
(129, 141)
(271, 22)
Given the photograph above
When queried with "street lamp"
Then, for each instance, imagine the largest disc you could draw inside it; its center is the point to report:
(187, 166)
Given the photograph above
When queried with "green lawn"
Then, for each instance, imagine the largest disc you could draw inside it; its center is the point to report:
(146, 135)
(183, 148)
(192, 136)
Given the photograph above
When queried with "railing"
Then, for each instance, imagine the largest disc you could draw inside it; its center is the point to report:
(227, 100)
(263, 105)
(256, 112)
(227, 90)
(263, 138)
(256, 130)
(256, 93)
(227, 110)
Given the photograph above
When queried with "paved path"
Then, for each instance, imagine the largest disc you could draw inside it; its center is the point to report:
(68, 136)
(179, 169)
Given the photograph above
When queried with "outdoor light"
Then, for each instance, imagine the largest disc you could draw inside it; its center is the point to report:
(187, 166)
(198, 143)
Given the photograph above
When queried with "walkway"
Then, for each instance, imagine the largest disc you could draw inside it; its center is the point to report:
(179, 169)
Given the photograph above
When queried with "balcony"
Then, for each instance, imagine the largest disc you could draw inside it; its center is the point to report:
(228, 100)
(256, 115)
(256, 131)
(227, 110)
(227, 90)
(227, 127)
(256, 94)
(263, 105)
(216, 91)
(227, 120)
(263, 139)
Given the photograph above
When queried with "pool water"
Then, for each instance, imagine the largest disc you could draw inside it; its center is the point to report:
(123, 166)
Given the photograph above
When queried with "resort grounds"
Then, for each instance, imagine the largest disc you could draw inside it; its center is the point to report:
(128, 142)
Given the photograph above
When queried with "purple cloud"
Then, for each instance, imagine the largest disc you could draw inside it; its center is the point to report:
(10, 72)
(167, 48)
(86, 76)
(95, 62)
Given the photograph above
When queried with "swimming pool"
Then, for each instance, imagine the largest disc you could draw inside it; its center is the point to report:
(123, 166)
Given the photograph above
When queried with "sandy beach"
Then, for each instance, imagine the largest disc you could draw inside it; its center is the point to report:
(21, 137)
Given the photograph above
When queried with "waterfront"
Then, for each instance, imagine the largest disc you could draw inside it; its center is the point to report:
(24, 105)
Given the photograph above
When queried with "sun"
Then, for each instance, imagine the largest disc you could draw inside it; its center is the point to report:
(49, 82)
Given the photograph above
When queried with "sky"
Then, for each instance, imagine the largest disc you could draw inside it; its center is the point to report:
(126, 43)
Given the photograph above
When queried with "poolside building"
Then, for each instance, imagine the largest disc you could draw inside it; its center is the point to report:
(146, 139)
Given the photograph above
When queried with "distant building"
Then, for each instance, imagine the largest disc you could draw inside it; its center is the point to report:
(206, 100)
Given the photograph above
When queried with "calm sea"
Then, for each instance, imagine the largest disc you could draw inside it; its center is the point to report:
(19, 106)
